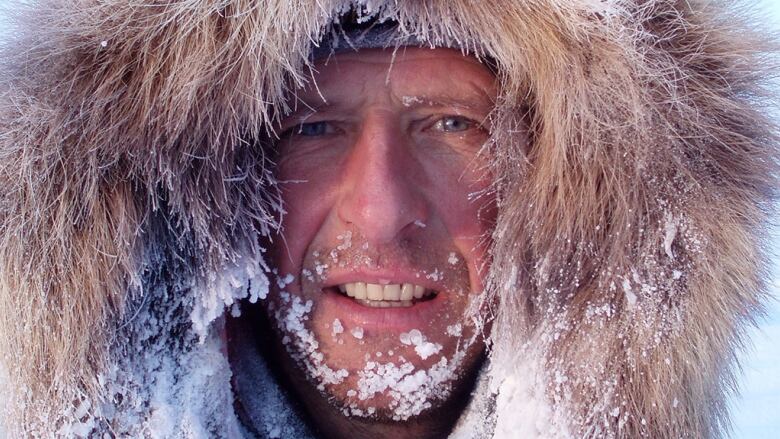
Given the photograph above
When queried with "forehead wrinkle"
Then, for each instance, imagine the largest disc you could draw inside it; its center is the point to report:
(468, 94)
(331, 93)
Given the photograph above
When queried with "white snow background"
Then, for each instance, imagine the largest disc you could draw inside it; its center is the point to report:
(755, 411)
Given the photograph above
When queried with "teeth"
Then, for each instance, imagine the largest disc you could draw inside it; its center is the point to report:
(386, 303)
(407, 292)
(374, 291)
(389, 295)
(360, 290)
(392, 292)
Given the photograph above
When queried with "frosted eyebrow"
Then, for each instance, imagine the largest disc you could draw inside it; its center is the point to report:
(475, 104)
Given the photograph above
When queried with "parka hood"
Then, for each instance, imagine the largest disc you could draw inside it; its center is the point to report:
(628, 254)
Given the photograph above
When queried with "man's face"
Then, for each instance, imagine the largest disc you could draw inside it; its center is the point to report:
(389, 214)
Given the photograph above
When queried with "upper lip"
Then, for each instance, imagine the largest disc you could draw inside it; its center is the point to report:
(383, 277)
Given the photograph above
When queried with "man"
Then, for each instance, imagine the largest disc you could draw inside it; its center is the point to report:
(389, 216)
(196, 194)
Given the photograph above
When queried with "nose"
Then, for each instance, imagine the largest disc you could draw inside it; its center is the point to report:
(379, 197)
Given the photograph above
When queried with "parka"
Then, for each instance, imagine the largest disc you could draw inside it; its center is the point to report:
(628, 257)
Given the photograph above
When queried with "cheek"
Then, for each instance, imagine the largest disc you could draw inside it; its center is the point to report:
(466, 206)
(464, 202)
(307, 198)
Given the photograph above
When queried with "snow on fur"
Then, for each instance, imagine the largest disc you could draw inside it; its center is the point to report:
(129, 130)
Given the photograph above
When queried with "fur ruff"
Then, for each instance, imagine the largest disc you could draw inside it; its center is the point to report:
(629, 252)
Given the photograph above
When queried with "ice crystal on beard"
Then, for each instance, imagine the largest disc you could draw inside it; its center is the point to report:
(338, 328)
(301, 343)
(282, 282)
(346, 241)
(321, 270)
(426, 349)
(422, 347)
(454, 330)
(411, 391)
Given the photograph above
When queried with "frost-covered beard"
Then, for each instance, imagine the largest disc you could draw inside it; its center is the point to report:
(372, 350)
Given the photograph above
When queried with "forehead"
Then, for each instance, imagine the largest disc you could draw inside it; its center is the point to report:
(406, 73)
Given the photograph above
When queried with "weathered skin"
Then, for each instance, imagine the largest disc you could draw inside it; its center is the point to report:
(627, 255)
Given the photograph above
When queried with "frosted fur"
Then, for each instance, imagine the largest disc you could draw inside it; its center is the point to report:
(130, 171)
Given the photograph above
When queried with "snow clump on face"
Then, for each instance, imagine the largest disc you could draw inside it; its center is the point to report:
(455, 330)
(408, 101)
(338, 328)
(301, 343)
(423, 347)
(411, 391)
(346, 240)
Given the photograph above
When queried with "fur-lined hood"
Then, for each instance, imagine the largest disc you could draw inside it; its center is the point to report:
(628, 254)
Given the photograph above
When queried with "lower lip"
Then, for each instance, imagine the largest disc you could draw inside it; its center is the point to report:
(400, 319)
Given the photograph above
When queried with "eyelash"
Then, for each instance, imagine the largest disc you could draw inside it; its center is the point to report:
(438, 123)
(297, 130)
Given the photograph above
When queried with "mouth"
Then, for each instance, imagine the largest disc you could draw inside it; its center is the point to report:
(388, 295)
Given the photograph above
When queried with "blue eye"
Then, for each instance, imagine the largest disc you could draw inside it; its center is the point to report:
(453, 124)
(314, 129)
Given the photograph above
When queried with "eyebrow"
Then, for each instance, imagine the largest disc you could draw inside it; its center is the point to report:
(477, 100)
(304, 110)
(476, 104)
(302, 107)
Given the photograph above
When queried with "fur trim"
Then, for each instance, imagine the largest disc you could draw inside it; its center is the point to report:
(629, 246)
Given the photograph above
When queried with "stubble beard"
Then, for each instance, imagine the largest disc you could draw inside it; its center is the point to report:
(380, 391)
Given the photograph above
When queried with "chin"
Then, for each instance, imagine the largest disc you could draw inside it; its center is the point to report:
(388, 374)
(395, 394)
